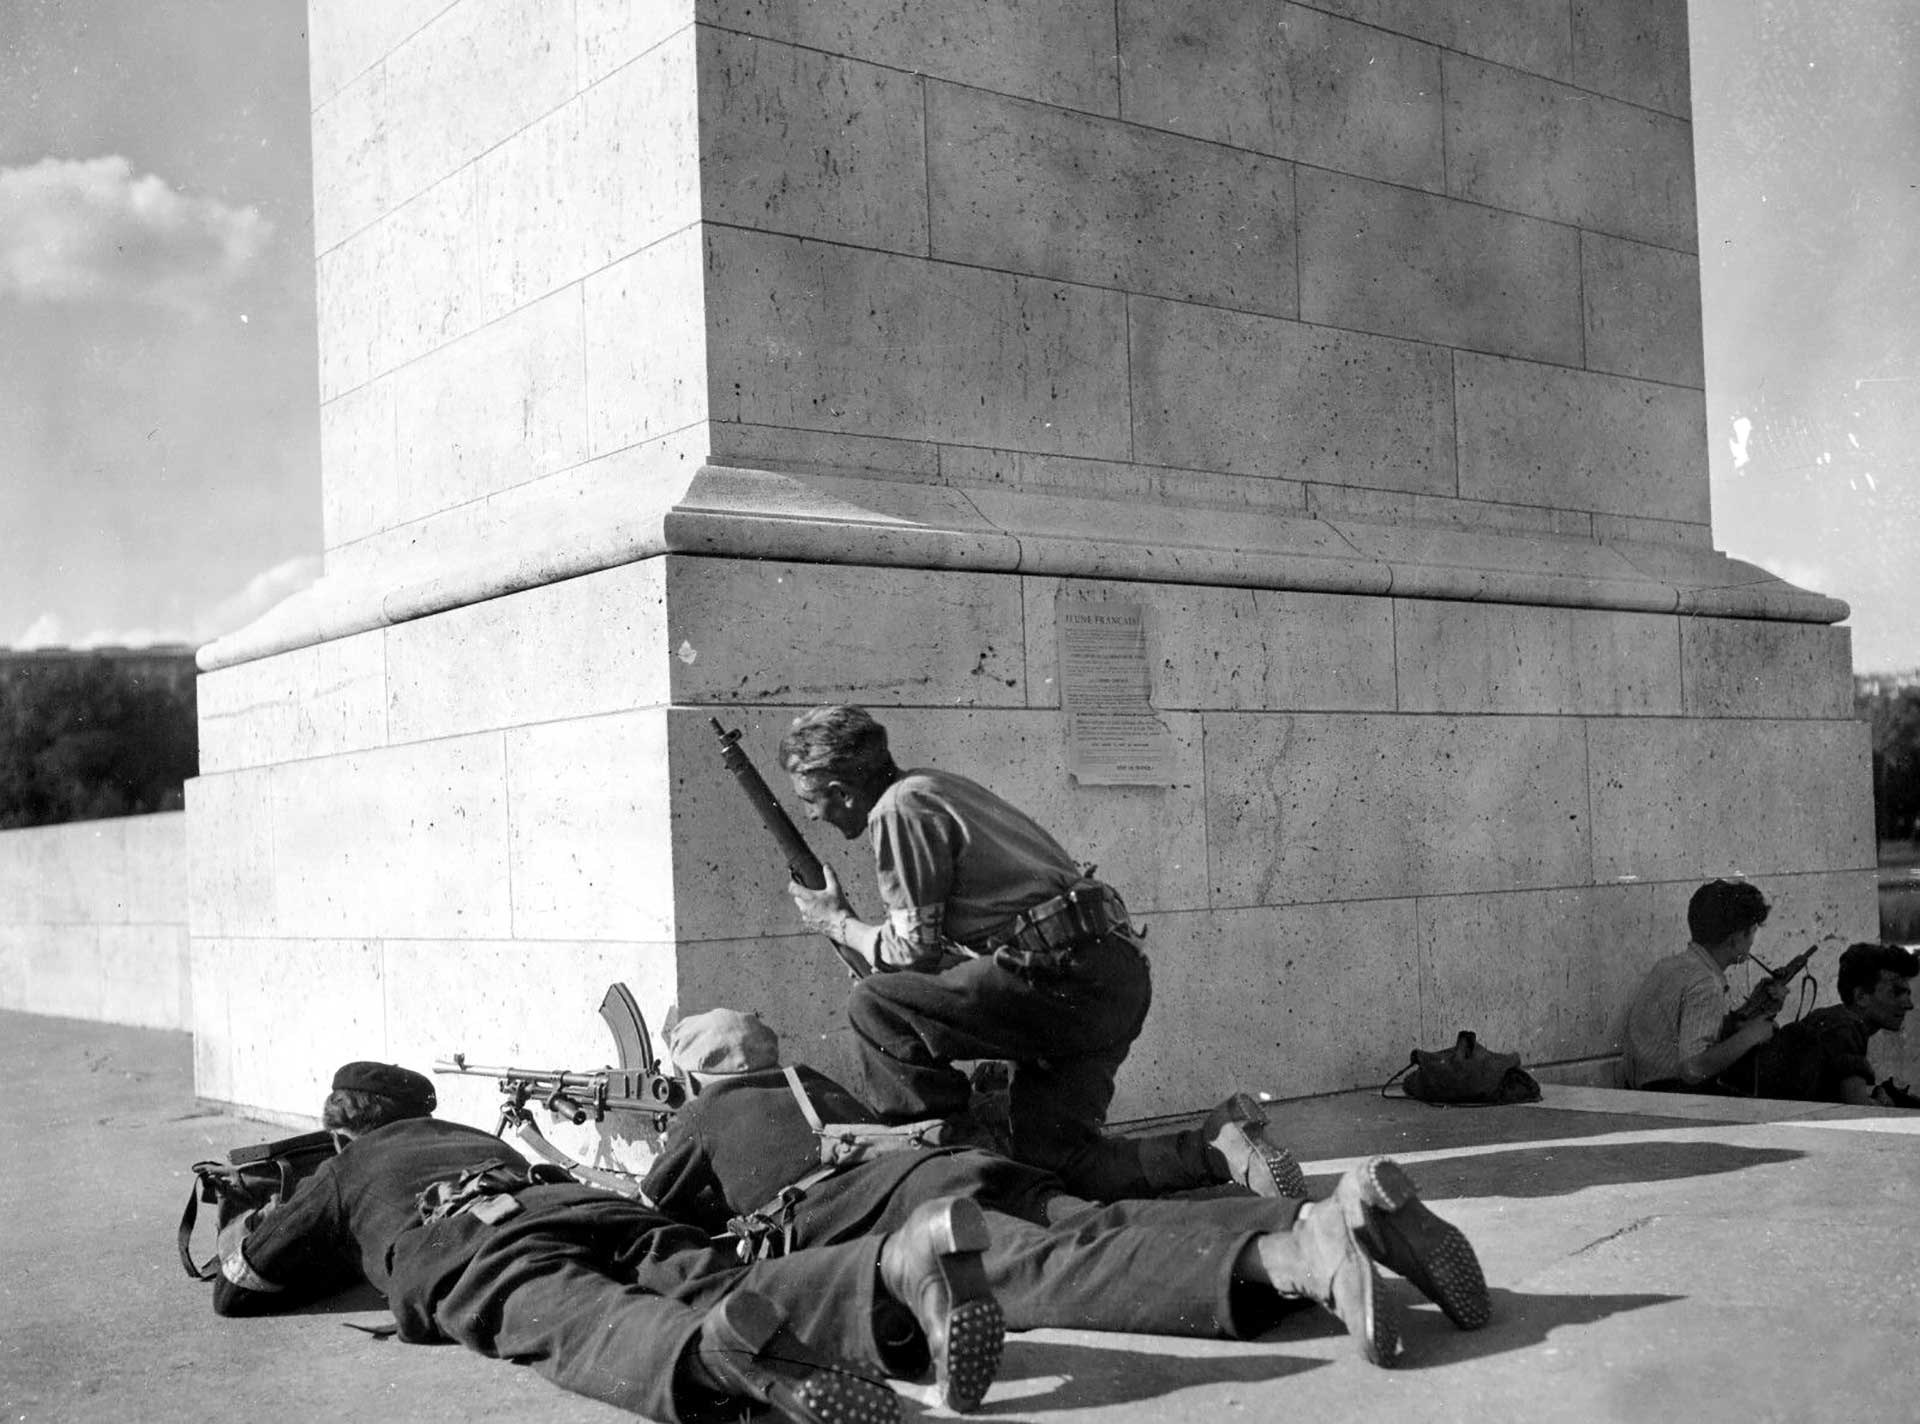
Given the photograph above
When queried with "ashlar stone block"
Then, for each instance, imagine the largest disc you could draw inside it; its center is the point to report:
(360, 493)
(63, 971)
(646, 339)
(154, 884)
(312, 702)
(1529, 973)
(1533, 35)
(499, 407)
(1060, 53)
(1251, 394)
(348, 37)
(582, 647)
(1389, 260)
(794, 982)
(408, 841)
(1694, 799)
(1508, 658)
(1027, 188)
(1533, 146)
(1634, 50)
(592, 857)
(612, 171)
(796, 141)
(875, 636)
(230, 849)
(1342, 807)
(1065, 476)
(477, 73)
(1545, 435)
(1286, 80)
(1642, 310)
(1295, 999)
(1244, 649)
(342, 1017)
(1743, 667)
(352, 175)
(140, 975)
(823, 337)
(612, 33)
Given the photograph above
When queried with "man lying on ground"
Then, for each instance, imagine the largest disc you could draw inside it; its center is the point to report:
(601, 1294)
(745, 1155)
(1822, 1058)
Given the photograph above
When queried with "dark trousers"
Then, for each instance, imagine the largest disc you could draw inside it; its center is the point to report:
(603, 1296)
(1066, 1035)
(1059, 1261)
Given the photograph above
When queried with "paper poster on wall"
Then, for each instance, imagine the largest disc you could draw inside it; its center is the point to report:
(1114, 737)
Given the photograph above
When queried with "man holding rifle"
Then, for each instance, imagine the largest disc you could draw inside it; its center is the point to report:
(1683, 1033)
(994, 944)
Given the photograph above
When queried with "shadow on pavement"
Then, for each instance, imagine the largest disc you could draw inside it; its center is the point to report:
(1556, 1169)
(1045, 1376)
(1521, 1320)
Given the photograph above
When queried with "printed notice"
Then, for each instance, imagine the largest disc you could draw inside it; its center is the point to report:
(1114, 738)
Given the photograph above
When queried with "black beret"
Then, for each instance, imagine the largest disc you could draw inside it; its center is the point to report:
(389, 1080)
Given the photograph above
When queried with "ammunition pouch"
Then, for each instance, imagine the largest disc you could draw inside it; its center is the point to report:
(1041, 942)
(489, 1192)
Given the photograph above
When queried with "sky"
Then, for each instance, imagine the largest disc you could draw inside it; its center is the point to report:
(159, 465)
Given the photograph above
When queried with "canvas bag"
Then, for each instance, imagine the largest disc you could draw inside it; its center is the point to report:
(251, 1178)
(1466, 1073)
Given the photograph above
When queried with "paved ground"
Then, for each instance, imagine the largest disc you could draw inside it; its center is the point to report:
(1651, 1260)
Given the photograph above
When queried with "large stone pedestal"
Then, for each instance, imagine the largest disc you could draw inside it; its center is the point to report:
(685, 359)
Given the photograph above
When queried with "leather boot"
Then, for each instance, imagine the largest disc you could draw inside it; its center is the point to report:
(1319, 1260)
(1230, 1146)
(1235, 1134)
(744, 1350)
(1395, 1227)
(932, 1265)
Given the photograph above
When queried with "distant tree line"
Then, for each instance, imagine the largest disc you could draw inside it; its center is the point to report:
(88, 736)
(1892, 709)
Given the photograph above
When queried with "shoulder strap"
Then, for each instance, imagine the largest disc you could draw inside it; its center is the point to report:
(800, 1097)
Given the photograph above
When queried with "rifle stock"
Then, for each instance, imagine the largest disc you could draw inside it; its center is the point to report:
(802, 864)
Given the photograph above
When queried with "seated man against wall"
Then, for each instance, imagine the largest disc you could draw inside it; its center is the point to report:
(746, 1155)
(1683, 1033)
(602, 1294)
(1822, 1058)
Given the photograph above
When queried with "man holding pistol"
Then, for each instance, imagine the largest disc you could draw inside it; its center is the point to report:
(994, 944)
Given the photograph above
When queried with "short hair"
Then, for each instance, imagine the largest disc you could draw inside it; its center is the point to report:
(351, 1110)
(1720, 909)
(1861, 966)
(843, 743)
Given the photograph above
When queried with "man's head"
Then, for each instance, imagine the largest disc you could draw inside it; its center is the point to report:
(367, 1095)
(1876, 981)
(1722, 916)
(722, 1041)
(838, 761)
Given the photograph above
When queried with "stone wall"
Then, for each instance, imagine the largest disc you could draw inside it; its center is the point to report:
(93, 921)
(709, 356)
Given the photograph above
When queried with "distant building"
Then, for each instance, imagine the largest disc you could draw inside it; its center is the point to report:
(1881, 684)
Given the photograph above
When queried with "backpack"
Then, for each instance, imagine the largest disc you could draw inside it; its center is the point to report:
(250, 1179)
(1466, 1073)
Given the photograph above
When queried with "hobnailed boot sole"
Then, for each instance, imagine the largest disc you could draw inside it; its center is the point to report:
(966, 1361)
(826, 1396)
(1262, 1167)
(1388, 1218)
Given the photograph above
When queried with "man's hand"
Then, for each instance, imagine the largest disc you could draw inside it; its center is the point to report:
(825, 909)
(1769, 996)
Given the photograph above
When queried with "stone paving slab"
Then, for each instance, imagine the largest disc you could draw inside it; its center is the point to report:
(1651, 1258)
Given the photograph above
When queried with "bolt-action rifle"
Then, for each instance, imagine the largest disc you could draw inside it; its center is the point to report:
(802, 864)
(637, 1087)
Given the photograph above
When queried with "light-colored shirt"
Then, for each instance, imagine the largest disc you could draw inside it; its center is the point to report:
(956, 863)
(1676, 1013)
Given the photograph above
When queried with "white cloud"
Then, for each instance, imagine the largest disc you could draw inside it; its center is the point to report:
(262, 591)
(46, 631)
(91, 230)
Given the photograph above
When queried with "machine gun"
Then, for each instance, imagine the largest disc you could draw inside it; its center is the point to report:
(802, 864)
(637, 1086)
